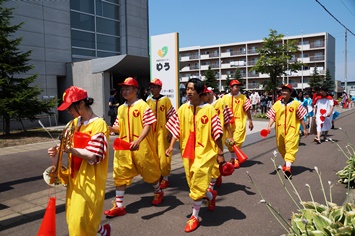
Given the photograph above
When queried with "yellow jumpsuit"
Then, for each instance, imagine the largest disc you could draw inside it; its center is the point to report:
(145, 161)
(287, 119)
(224, 114)
(204, 121)
(239, 105)
(86, 189)
(163, 110)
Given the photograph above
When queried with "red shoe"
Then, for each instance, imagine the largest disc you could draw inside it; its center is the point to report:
(115, 211)
(219, 181)
(192, 224)
(212, 203)
(287, 172)
(107, 230)
(164, 184)
(235, 163)
(158, 198)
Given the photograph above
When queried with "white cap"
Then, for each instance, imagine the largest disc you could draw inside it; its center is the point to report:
(210, 88)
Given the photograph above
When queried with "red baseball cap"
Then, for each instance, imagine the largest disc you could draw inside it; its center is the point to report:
(288, 86)
(156, 81)
(234, 82)
(71, 95)
(207, 90)
(129, 82)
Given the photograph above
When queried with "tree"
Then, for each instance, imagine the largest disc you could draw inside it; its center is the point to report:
(210, 79)
(328, 81)
(18, 99)
(238, 76)
(228, 80)
(275, 59)
(315, 81)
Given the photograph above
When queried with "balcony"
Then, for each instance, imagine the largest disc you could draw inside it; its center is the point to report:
(317, 58)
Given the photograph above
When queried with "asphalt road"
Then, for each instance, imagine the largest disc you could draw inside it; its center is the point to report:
(238, 211)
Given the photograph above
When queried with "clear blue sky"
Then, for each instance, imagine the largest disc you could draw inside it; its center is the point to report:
(211, 22)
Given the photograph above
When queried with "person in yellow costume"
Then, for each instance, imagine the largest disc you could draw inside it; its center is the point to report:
(88, 164)
(240, 106)
(133, 123)
(197, 127)
(163, 110)
(288, 114)
(225, 115)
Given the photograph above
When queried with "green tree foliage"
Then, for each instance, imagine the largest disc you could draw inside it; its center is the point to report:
(18, 99)
(210, 79)
(328, 81)
(275, 59)
(315, 81)
(238, 76)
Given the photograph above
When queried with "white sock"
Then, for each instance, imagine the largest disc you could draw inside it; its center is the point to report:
(233, 156)
(119, 198)
(102, 230)
(209, 195)
(196, 208)
(288, 164)
(157, 187)
(212, 183)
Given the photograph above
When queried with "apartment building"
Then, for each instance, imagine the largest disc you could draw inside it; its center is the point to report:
(315, 51)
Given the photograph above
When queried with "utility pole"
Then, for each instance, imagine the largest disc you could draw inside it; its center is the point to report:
(346, 56)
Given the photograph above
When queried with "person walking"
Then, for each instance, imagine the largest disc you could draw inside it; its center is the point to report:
(163, 110)
(225, 115)
(134, 122)
(197, 127)
(255, 101)
(324, 105)
(240, 107)
(88, 165)
(287, 114)
(112, 104)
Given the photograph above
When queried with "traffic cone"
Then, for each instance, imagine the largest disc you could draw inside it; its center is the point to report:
(242, 157)
(264, 133)
(48, 226)
(120, 144)
(189, 151)
(345, 104)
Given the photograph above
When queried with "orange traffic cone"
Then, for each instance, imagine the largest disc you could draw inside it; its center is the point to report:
(48, 226)
(242, 157)
(120, 144)
(189, 151)
(345, 104)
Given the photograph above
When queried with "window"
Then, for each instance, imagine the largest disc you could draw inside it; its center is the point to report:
(318, 56)
(305, 55)
(83, 52)
(106, 54)
(82, 21)
(107, 26)
(83, 5)
(107, 10)
(108, 43)
(83, 39)
(318, 43)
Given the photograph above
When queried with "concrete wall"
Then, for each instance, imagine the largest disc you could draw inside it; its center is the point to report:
(134, 27)
(46, 31)
(97, 85)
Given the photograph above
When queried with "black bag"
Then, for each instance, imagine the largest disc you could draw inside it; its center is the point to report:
(111, 112)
